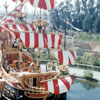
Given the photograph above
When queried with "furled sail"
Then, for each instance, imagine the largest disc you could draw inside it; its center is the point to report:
(59, 86)
(45, 4)
(66, 57)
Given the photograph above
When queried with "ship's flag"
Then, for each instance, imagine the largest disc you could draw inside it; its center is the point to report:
(66, 57)
(59, 86)
(45, 4)
(12, 16)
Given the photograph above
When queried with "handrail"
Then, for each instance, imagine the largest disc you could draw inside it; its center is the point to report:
(88, 66)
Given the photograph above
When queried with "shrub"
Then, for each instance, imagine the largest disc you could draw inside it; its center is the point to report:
(88, 75)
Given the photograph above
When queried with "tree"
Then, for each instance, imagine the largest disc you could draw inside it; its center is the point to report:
(98, 8)
(77, 16)
(84, 6)
(55, 18)
(87, 24)
(97, 25)
(91, 11)
(84, 14)
(61, 14)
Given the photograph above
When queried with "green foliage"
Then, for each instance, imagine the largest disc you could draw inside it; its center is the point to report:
(97, 25)
(83, 60)
(89, 60)
(88, 75)
(83, 14)
(88, 37)
(87, 23)
(96, 61)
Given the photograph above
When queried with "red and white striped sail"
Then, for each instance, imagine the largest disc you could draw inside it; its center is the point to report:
(66, 57)
(34, 40)
(13, 15)
(18, 27)
(59, 86)
(45, 4)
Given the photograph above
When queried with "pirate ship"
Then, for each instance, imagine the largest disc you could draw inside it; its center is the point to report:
(22, 76)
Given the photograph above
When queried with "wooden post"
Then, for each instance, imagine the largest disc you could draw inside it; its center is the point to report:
(0, 56)
(20, 50)
(38, 51)
(38, 60)
(20, 53)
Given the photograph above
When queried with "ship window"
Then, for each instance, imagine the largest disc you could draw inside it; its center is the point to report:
(34, 81)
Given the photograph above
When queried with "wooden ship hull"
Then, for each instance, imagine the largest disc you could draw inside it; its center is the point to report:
(23, 77)
(21, 84)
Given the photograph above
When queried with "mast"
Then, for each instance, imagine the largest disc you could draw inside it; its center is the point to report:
(41, 23)
(38, 50)
(20, 54)
(38, 60)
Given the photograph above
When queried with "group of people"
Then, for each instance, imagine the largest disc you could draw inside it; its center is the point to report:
(55, 66)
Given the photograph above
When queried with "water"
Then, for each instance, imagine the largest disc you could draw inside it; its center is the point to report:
(83, 90)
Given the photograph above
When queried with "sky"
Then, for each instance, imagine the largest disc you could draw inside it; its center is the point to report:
(10, 3)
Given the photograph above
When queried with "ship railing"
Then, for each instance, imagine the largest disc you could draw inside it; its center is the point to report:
(86, 66)
(11, 50)
(37, 90)
(33, 89)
